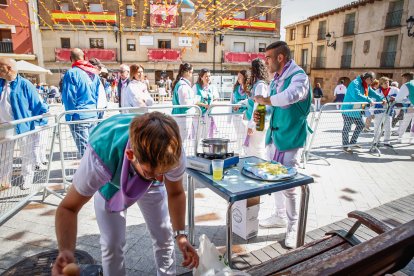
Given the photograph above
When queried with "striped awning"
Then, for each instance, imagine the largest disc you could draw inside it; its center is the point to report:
(101, 17)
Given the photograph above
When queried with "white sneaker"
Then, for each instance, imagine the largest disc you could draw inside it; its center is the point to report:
(273, 221)
(291, 237)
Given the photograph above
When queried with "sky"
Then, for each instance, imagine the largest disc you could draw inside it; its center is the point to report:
(298, 10)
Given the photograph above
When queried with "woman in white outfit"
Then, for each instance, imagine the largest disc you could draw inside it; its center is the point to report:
(136, 94)
(183, 94)
(255, 140)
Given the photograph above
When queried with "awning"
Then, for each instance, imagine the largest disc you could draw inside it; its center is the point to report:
(26, 67)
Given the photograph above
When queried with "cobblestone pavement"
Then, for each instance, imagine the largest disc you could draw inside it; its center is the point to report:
(352, 182)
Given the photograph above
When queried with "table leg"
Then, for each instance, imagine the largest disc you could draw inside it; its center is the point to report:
(190, 204)
(229, 234)
(303, 215)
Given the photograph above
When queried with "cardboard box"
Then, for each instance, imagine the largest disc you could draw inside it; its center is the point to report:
(244, 217)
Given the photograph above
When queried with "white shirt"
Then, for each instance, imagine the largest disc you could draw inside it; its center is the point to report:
(340, 89)
(102, 102)
(6, 112)
(186, 95)
(402, 95)
(136, 95)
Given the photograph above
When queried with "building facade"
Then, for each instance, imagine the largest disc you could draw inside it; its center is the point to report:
(366, 35)
(160, 35)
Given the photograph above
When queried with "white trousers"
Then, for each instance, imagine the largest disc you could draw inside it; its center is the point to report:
(408, 116)
(317, 102)
(6, 162)
(257, 146)
(240, 130)
(112, 226)
(387, 126)
(287, 201)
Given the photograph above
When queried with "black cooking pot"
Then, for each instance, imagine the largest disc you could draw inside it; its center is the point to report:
(215, 146)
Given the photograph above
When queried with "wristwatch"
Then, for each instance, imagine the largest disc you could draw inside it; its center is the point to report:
(180, 232)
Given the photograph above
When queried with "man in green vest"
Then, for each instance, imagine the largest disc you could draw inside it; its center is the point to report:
(289, 105)
(129, 159)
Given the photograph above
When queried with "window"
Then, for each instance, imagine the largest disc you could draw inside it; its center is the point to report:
(346, 55)
(390, 51)
(64, 7)
(3, 3)
(322, 30)
(367, 44)
(263, 16)
(394, 14)
(292, 34)
(164, 44)
(65, 42)
(95, 8)
(131, 44)
(96, 43)
(318, 80)
(304, 61)
(349, 25)
(262, 47)
(202, 47)
(306, 31)
(129, 11)
(239, 47)
(240, 15)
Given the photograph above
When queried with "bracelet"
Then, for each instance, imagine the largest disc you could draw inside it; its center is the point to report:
(180, 232)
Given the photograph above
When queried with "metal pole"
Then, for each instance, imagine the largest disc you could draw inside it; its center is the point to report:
(215, 40)
(303, 215)
(229, 234)
(190, 206)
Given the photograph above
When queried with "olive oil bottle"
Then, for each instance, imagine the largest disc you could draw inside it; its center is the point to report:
(261, 109)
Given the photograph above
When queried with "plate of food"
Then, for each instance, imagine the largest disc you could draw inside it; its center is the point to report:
(268, 171)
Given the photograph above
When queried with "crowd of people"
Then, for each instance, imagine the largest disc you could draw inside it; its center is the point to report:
(130, 158)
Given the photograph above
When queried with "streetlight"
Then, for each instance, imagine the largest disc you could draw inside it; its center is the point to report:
(410, 24)
(328, 37)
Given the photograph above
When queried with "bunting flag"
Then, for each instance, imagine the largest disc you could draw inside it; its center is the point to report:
(249, 24)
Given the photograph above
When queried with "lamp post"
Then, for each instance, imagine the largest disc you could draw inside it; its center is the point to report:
(410, 24)
(328, 37)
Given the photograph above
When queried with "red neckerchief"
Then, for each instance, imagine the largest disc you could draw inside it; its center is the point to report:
(85, 66)
(365, 85)
(386, 91)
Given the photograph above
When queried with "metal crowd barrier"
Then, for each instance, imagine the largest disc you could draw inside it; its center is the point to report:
(221, 122)
(329, 123)
(25, 161)
(70, 153)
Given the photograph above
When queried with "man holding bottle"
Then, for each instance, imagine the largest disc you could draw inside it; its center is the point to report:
(289, 105)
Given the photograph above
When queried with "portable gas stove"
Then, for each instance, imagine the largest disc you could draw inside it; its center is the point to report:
(202, 162)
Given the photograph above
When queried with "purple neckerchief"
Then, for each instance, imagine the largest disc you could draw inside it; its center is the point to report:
(246, 141)
(279, 156)
(131, 188)
(212, 129)
(277, 77)
(241, 91)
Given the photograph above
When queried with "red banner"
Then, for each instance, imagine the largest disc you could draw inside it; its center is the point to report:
(101, 54)
(163, 16)
(234, 57)
(164, 55)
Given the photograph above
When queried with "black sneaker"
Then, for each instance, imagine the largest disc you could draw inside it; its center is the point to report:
(388, 145)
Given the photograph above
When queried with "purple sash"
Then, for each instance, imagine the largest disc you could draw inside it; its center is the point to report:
(130, 191)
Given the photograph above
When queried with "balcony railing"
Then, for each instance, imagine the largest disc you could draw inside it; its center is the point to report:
(349, 28)
(164, 55)
(393, 19)
(63, 54)
(6, 47)
(388, 59)
(318, 62)
(244, 57)
(321, 34)
(346, 61)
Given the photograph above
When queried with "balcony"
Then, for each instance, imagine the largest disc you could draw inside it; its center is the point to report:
(346, 61)
(155, 55)
(241, 57)
(393, 19)
(388, 59)
(349, 28)
(6, 47)
(108, 55)
(318, 62)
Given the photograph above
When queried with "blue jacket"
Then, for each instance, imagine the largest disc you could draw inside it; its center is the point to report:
(25, 102)
(355, 93)
(80, 92)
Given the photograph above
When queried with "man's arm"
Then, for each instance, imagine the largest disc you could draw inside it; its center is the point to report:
(176, 206)
(66, 223)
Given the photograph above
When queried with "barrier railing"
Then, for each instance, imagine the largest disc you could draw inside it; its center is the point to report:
(25, 161)
(335, 129)
(72, 147)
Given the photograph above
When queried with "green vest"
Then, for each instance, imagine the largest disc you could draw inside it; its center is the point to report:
(204, 100)
(237, 98)
(176, 101)
(109, 140)
(410, 86)
(288, 126)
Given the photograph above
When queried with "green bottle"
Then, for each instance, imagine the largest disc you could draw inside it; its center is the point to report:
(261, 109)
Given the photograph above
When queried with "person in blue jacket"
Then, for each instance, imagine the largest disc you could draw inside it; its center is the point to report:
(19, 99)
(80, 90)
(359, 90)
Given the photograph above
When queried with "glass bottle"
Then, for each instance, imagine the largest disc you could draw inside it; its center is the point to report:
(261, 109)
